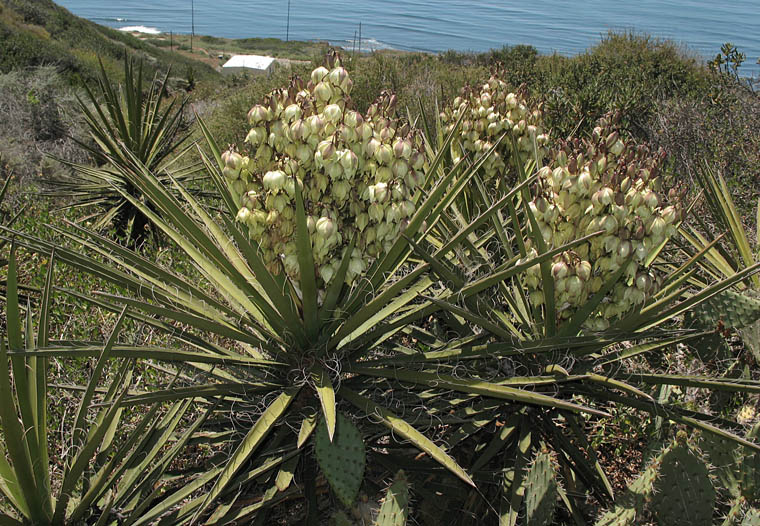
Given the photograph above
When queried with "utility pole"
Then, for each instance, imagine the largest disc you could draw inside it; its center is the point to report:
(287, 30)
(192, 22)
(360, 38)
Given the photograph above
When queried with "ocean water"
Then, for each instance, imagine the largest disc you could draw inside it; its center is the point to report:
(562, 26)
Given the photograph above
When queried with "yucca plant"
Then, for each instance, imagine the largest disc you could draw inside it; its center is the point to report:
(122, 119)
(301, 334)
(106, 474)
(526, 339)
(435, 332)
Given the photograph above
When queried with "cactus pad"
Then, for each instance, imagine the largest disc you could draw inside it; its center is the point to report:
(723, 457)
(395, 508)
(750, 469)
(631, 503)
(732, 309)
(342, 460)
(685, 496)
(752, 517)
(541, 491)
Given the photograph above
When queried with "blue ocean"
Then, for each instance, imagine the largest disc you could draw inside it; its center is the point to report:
(562, 26)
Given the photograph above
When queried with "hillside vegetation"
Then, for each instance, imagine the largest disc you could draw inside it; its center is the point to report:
(41, 33)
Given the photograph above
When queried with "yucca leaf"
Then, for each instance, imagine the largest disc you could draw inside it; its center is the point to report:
(23, 447)
(332, 295)
(580, 436)
(487, 215)
(84, 454)
(477, 387)
(9, 485)
(691, 418)
(497, 443)
(84, 403)
(514, 479)
(153, 353)
(201, 249)
(207, 392)
(651, 316)
(103, 480)
(6, 520)
(701, 382)
(627, 353)
(191, 320)
(236, 259)
(175, 498)
(253, 438)
(166, 285)
(306, 270)
(18, 480)
(614, 383)
(326, 395)
(399, 426)
(308, 424)
(272, 285)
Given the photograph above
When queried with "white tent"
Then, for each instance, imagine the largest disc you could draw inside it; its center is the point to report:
(255, 64)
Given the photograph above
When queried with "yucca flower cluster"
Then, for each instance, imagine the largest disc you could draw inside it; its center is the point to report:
(357, 174)
(489, 111)
(603, 184)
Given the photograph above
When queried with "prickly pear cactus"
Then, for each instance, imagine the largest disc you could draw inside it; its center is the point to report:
(722, 454)
(541, 491)
(342, 460)
(752, 518)
(395, 508)
(630, 505)
(732, 309)
(751, 338)
(749, 479)
(685, 495)
(734, 514)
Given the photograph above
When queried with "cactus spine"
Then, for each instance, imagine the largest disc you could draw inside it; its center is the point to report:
(395, 508)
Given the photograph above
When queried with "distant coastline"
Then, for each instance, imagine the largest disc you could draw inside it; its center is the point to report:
(554, 26)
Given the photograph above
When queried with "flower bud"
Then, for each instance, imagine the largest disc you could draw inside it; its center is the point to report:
(323, 91)
(325, 227)
(559, 270)
(257, 114)
(574, 286)
(583, 270)
(274, 180)
(380, 193)
(243, 215)
(402, 148)
(384, 154)
(319, 74)
(333, 113)
(292, 112)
